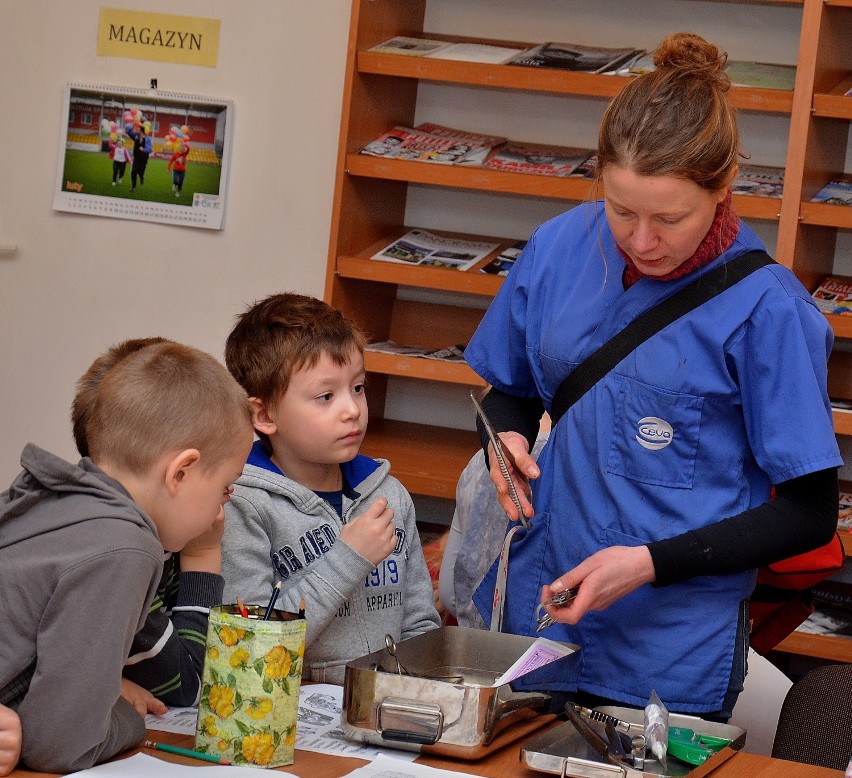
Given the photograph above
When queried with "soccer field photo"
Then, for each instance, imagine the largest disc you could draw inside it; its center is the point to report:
(144, 155)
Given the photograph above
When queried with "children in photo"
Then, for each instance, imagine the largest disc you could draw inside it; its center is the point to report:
(332, 524)
(177, 164)
(120, 156)
(167, 655)
(82, 546)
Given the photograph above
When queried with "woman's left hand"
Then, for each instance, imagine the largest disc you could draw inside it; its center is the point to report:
(604, 577)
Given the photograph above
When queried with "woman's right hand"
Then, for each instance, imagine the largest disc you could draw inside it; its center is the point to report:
(522, 468)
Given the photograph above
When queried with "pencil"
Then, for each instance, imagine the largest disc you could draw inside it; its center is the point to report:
(185, 752)
(276, 590)
(242, 606)
(301, 609)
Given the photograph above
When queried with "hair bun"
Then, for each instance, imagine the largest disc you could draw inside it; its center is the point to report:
(691, 54)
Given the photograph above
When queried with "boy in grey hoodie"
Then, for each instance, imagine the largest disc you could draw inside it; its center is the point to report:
(331, 524)
(81, 546)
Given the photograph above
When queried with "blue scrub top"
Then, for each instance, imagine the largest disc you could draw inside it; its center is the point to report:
(692, 427)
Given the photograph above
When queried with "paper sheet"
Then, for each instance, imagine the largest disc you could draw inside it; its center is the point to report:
(541, 652)
(145, 766)
(317, 727)
(382, 767)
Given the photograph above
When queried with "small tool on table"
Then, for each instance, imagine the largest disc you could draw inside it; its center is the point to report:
(501, 454)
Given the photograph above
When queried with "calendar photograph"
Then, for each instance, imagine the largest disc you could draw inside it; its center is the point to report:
(144, 155)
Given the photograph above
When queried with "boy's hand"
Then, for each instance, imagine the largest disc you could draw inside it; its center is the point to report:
(141, 699)
(204, 553)
(10, 740)
(372, 534)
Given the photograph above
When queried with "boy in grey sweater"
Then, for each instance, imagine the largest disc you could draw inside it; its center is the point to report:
(331, 524)
(82, 546)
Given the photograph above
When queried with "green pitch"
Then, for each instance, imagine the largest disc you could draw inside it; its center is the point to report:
(91, 173)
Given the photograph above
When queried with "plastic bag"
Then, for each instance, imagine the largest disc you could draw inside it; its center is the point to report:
(657, 728)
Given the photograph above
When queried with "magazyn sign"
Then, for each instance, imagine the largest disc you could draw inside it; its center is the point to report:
(189, 40)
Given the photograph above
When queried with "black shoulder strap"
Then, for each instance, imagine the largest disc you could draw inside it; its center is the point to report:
(599, 363)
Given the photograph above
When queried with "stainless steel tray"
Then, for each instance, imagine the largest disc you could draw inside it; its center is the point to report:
(563, 751)
(441, 698)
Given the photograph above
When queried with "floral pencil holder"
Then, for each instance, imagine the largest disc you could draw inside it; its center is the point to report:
(250, 686)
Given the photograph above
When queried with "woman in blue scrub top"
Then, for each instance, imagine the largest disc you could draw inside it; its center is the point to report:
(653, 492)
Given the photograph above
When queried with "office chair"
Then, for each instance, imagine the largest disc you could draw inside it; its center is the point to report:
(815, 725)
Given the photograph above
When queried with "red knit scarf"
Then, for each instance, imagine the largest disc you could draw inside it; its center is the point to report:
(718, 239)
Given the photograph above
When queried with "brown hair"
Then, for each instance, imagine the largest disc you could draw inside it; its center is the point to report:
(284, 333)
(677, 119)
(90, 381)
(158, 398)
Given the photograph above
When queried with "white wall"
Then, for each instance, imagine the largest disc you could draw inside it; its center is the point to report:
(78, 283)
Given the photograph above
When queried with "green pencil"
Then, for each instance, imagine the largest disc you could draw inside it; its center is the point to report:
(185, 752)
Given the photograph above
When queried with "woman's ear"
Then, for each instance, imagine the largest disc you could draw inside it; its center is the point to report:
(260, 417)
(729, 181)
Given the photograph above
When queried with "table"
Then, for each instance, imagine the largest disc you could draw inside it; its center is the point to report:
(503, 763)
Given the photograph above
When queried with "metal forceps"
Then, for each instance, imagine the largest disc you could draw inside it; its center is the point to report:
(560, 600)
(501, 454)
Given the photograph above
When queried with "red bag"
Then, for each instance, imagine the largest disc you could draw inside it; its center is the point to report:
(781, 601)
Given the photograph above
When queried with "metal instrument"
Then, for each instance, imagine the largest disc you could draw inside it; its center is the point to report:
(501, 454)
(560, 600)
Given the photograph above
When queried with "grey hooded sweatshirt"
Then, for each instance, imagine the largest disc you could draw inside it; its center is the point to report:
(277, 529)
(79, 566)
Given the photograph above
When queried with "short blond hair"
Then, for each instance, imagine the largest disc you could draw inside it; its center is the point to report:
(166, 397)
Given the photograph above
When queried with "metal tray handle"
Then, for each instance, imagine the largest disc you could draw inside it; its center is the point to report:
(409, 721)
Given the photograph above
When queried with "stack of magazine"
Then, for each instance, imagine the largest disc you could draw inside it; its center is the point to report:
(435, 143)
(575, 56)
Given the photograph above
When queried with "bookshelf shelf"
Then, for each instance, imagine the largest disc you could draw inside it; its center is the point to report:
(539, 80)
(835, 649)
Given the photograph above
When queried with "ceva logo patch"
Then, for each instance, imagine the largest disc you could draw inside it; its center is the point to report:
(654, 434)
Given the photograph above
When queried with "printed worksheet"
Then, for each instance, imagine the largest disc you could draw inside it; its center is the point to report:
(317, 726)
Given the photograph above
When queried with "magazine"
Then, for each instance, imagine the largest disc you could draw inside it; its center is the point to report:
(761, 180)
(572, 56)
(415, 145)
(641, 63)
(502, 263)
(475, 52)
(844, 517)
(479, 143)
(537, 158)
(761, 75)
(587, 169)
(409, 47)
(447, 353)
(838, 191)
(419, 247)
(834, 295)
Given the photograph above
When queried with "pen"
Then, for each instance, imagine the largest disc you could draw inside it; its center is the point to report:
(276, 590)
(185, 752)
(242, 606)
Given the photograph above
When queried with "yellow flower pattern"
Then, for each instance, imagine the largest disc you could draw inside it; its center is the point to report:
(250, 694)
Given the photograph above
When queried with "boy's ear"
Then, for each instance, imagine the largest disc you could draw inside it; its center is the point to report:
(179, 467)
(260, 417)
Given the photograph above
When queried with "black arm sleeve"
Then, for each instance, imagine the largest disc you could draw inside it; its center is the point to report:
(802, 517)
(509, 413)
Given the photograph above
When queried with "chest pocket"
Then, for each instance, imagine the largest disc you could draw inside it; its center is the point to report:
(655, 435)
